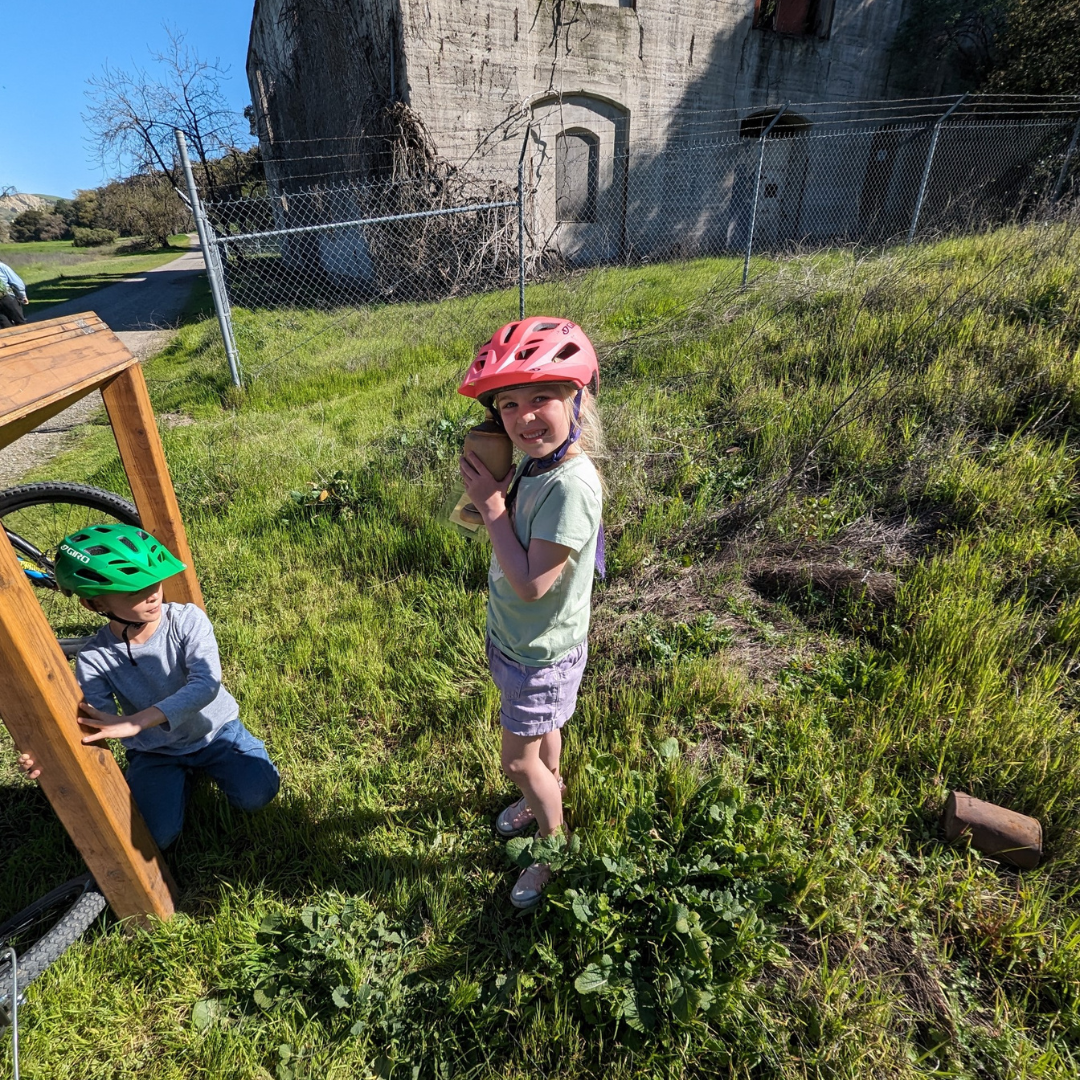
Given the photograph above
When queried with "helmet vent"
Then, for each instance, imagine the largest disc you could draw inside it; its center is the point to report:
(91, 575)
(127, 543)
(102, 529)
(567, 351)
(80, 537)
(97, 549)
(509, 333)
(539, 328)
(526, 353)
(129, 570)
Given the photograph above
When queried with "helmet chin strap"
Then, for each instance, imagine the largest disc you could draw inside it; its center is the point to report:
(128, 625)
(533, 465)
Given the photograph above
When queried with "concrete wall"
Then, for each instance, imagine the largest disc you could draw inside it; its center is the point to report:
(323, 70)
(661, 87)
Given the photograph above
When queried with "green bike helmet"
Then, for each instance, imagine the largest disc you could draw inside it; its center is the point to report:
(105, 559)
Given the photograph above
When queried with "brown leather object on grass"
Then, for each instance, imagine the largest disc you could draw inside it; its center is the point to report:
(1004, 834)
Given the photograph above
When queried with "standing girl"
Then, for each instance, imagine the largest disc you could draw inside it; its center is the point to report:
(544, 524)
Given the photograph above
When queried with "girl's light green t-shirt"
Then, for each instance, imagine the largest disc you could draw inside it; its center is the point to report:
(562, 505)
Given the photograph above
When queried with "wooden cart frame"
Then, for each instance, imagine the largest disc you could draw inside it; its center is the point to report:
(44, 368)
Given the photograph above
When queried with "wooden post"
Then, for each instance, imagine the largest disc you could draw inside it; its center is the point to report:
(84, 784)
(128, 405)
(45, 367)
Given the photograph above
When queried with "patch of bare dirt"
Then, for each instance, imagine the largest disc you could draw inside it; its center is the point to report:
(780, 577)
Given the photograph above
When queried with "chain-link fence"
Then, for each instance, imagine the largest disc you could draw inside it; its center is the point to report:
(546, 194)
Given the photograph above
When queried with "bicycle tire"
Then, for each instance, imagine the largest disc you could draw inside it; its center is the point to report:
(60, 494)
(44, 931)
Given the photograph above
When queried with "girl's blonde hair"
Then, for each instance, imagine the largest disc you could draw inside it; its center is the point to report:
(592, 430)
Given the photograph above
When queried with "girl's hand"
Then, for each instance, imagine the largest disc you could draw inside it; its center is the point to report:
(26, 763)
(105, 725)
(486, 493)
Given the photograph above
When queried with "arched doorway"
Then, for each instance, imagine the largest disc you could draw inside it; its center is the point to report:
(577, 173)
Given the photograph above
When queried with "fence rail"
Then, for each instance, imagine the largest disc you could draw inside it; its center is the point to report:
(781, 178)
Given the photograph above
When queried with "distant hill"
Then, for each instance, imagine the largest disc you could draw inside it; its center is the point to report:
(11, 206)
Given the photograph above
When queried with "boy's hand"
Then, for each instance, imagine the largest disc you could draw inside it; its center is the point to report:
(110, 726)
(26, 763)
(486, 493)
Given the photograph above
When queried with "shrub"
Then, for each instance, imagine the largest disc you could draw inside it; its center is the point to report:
(33, 225)
(93, 237)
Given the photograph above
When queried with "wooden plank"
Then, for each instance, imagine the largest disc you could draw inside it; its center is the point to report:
(39, 703)
(47, 367)
(132, 416)
(18, 339)
(15, 429)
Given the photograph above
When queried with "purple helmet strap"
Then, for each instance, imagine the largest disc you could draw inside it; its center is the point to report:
(575, 433)
(553, 459)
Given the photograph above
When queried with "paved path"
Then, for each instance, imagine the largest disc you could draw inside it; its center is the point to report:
(144, 311)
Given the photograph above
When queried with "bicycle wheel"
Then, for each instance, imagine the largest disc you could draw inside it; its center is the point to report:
(44, 931)
(36, 517)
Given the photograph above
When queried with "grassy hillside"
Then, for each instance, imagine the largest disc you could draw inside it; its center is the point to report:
(844, 580)
(55, 271)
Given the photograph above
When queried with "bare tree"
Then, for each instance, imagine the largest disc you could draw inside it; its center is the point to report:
(132, 115)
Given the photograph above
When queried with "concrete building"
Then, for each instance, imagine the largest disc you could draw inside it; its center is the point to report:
(640, 119)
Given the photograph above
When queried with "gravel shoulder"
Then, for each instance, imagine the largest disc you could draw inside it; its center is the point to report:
(144, 311)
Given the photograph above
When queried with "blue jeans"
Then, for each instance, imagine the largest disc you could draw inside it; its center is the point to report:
(235, 760)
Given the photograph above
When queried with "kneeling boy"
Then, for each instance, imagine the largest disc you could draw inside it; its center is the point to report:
(159, 663)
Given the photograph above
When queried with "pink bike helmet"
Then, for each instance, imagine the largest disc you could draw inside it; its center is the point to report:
(534, 350)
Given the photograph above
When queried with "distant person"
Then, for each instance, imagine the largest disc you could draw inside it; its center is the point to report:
(546, 539)
(152, 679)
(13, 298)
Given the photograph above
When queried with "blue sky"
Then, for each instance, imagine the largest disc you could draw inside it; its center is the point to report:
(49, 52)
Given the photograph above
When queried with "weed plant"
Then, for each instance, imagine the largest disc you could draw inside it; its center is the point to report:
(757, 884)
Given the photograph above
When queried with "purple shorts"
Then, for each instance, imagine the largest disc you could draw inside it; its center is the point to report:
(536, 700)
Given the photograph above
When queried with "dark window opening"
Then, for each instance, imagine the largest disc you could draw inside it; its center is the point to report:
(789, 125)
(577, 175)
(799, 18)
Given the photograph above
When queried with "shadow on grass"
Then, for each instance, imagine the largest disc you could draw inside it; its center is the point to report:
(291, 851)
(44, 294)
(285, 848)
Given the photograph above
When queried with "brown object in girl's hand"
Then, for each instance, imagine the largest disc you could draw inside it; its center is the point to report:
(490, 443)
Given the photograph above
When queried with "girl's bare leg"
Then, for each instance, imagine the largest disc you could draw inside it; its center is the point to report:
(551, 749)
(521, 762)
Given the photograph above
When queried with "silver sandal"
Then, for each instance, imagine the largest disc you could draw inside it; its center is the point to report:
(518, 816)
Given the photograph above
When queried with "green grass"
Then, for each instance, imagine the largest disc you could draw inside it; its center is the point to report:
(56, 271)
(912, 414)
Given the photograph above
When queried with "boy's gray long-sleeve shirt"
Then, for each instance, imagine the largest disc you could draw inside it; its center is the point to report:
(178, 670)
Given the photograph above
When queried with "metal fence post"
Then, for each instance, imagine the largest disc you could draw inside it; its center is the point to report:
(929, 163)
(521, 222)
(757, 188)
(1064, 174)
(213, 263)
(521, 239)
